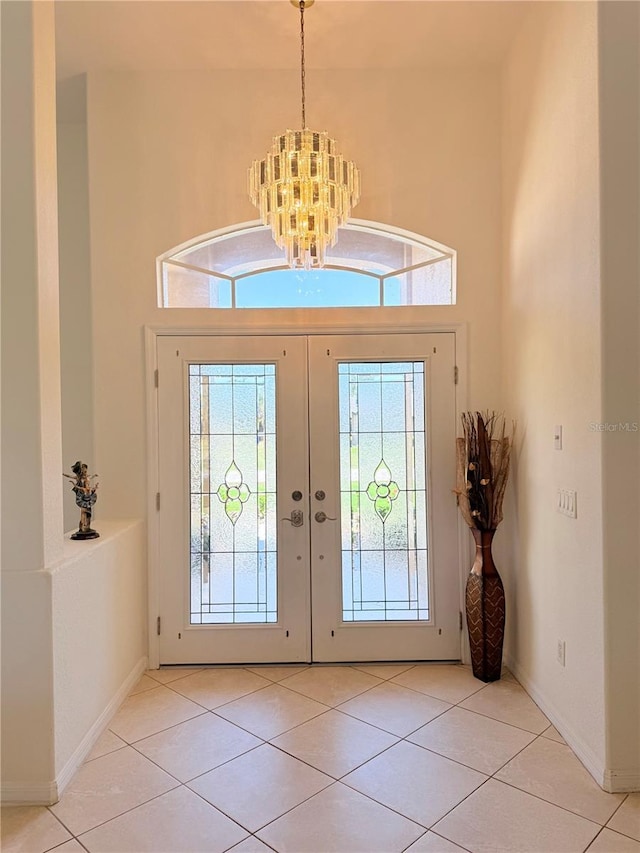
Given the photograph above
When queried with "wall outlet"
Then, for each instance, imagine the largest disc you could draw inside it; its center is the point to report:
(567, 502)
(561, 650)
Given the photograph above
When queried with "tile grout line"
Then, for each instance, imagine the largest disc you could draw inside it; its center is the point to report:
(428, 828)
(58, 846)
(618, 807)
(126, 811)
(537, 796)
(548, 802)
(198, 775)
(489, 776)
(186, 785)
(150, 800)
(529, 793)
(599, 833)
(619, 832)
(235, 699)
(332, 784)
(334, 780)
(337, 708)
(222, 812)
(245, 695)
(339, 780)
(437, 834)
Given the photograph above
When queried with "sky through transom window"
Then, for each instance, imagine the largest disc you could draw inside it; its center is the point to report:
(370, 266)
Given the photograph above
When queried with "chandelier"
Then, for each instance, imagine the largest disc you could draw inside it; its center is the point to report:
(304, 188)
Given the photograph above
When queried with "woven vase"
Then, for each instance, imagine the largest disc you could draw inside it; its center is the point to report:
(485, 610)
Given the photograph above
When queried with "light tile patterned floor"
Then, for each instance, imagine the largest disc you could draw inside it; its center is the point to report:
(389, 758)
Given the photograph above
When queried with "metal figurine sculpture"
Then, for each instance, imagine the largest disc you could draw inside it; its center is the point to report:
(85, 498)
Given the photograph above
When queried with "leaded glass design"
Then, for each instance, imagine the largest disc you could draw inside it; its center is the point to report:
(383, 491)
(233, 492)
(232, 421)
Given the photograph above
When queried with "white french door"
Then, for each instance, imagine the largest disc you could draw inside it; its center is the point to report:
(306, 504)
(233, 448)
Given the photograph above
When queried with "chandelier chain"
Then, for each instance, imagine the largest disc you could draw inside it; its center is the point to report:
(304, 187)
(302, 66)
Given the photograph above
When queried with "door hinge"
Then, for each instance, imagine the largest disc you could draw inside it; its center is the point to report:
(455, 375)
(155, 377)
(460, 615)
(158, 501)
(158, 625)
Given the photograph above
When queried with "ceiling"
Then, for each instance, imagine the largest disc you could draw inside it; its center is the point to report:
(95, 35)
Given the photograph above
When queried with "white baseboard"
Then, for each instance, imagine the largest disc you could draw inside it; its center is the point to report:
(88, 741)
(28, 794)
(49, 793)
(586, 755)
(612, 781)
(621, 781)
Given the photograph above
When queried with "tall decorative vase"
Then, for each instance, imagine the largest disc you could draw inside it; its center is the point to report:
(485, 610)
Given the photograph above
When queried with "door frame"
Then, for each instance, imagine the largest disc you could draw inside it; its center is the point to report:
(286, 322)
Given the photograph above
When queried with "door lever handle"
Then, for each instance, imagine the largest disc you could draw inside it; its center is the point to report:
(296, 518)
(321, 517)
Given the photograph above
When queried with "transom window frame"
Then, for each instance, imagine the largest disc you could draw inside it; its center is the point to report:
(429, 251)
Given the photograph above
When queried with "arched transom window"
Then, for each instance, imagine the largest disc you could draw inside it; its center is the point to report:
(370, 265)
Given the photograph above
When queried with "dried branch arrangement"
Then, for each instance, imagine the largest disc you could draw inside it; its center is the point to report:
(483, 457)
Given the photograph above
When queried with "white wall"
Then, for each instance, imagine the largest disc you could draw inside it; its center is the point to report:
(168, 159)
(73, 629)
(552, 367)
(32, 494)
(99, 634)
(619, 57)
(76, 344)
(473, 160)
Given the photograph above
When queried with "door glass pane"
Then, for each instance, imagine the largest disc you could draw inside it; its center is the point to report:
(233, 493)
(383, 491)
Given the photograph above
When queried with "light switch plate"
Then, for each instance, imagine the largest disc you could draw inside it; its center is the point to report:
(557, 437)
(568, 502)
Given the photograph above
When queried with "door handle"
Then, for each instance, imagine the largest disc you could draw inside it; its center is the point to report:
(296, 519)
(321, 517)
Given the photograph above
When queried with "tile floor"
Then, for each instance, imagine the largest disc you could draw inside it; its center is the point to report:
(423, 759)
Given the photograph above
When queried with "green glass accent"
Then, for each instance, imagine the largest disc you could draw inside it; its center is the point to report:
(233, 492)
(382, 490)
